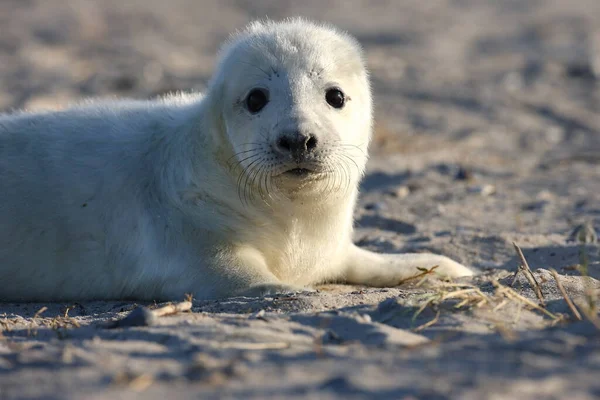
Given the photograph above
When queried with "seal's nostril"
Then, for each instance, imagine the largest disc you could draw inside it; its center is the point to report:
(284, 144)
(311, 143)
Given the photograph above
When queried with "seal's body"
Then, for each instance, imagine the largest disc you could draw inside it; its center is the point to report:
(246, 191)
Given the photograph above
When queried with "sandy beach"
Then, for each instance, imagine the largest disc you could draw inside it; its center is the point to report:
(487, 135)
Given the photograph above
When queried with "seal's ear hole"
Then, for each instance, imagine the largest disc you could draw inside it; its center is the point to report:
(335, 97)
(256, 100)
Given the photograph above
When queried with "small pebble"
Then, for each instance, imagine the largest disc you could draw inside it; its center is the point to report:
(581, 70)
(513, 81)
(375, 206)
(535, 205)
(414, 185)
(446, 169)
(464, 174)
(400, 192)
(330, 337)
(419, 239)
(259, 315)
(141, 316)
(483, 190)
(545, 195)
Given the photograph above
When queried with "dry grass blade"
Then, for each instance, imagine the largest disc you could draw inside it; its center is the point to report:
(500, 305)
(511, 294)
(529, 275)
(469, 295)
(460, 293)
(457, 285)
(424, 272)
(514, 281)
(466, 293)
(590, 293)
(565, 295)
(39, 312)
(173, 309)
(428, 323)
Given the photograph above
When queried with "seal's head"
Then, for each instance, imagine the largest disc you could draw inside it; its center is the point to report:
(296, 108)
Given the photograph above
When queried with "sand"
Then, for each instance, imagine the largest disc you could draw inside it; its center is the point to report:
(487, 133)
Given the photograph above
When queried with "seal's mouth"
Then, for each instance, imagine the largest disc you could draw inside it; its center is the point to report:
(303, 171)
(298, 172)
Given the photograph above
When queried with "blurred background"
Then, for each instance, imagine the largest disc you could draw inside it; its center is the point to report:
(473, 57)
(487, 111)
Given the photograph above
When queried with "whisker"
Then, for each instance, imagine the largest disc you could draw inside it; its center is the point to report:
(257, 172)
(249, 143)
(265, 178)
(240, 163)
(244, 174)
(251, 170)
(347, 157)
(239, 153)
(256, 67)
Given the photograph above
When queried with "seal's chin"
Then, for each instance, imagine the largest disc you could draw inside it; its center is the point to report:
(298, 179)
(310, 181)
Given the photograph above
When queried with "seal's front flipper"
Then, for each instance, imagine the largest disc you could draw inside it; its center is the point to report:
(373, 269)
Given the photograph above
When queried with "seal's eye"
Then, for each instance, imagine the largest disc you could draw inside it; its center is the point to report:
(335, 98)
(256, 100)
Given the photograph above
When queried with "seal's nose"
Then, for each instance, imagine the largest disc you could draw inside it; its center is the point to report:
(297, 144)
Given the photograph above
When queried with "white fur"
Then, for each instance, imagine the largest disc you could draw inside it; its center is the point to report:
(155, 199)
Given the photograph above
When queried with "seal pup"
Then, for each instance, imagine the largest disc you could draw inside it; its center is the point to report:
(247, 190)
